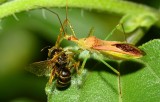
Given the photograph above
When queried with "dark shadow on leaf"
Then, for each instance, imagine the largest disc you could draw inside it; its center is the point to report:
(151, 34)
(94, 65)
(127, 67)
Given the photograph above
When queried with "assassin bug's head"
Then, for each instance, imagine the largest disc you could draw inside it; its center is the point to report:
(70, 38)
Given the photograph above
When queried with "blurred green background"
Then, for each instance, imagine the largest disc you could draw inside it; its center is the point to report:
(23, 35)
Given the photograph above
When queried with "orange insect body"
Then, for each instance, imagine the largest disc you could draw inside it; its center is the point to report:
(113, 49)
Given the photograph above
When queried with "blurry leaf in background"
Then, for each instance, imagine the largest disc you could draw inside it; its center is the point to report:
(2, 1)
(23, 35)
(154, 4)
(132, 22)
(18, 46)
(14, 50)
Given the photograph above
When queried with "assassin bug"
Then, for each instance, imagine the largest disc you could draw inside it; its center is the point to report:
(102, 48)
(92, 45)
(99, 49)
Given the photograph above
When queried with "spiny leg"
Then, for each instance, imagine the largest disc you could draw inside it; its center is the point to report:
(59, 39)
(70, 26)
(66, 21)
(76, 65)
(64, 26)
(62, 31)
(91, 32)
(52, 76)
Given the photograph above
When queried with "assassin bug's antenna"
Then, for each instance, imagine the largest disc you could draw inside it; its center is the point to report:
(120, 24)
(57, 17)
(66, 20)
(63, 25)
(66, 9)
(61, 29)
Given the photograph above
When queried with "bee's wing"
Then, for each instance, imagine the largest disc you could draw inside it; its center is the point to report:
(40, 68)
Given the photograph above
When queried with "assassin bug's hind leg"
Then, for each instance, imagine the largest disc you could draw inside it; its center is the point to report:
(109, 66)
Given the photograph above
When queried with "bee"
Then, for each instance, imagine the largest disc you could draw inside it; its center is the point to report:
(58, 65)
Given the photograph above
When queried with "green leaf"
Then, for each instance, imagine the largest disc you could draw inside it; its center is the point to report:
(133, 21)
(139, 81)
(144, 84)
(2, 1)
(116, 6)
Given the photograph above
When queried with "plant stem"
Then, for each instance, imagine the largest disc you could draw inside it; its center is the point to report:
(116, 6)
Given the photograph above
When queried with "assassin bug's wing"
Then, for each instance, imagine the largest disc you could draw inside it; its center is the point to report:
(112, 49)
(119, 50)
(40, 68)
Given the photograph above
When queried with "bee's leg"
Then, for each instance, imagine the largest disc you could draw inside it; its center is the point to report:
(76, 65)
(52, 76)
(109, 66)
